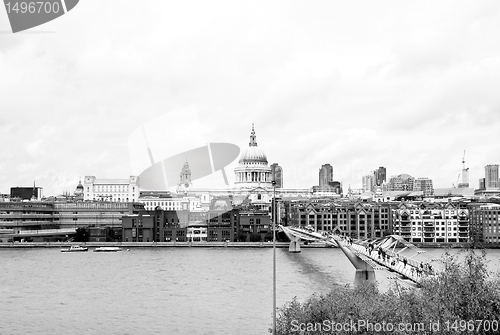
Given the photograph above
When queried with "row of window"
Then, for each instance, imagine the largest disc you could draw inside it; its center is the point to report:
(107, 188)
(168, 233)
(437, 234)
(432, 228)
(432, 212)
(109, 198)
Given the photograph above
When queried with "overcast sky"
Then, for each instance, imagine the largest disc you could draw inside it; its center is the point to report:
(358, 84)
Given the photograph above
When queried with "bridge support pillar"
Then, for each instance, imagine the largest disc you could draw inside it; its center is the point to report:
(294, 244)
(364, 276)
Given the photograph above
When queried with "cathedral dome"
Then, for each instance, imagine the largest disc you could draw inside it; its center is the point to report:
(79, 189)
(253, 154)
(252, 170)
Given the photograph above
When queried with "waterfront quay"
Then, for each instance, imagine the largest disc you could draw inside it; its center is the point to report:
(209, 245)
(158, 244)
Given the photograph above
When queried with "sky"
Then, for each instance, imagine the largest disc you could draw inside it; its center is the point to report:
(408, 85)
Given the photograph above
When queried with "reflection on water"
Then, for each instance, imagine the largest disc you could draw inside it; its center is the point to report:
(163, 290)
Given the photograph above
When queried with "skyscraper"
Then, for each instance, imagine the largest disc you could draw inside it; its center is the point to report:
(381, 175)
(491, 176)
(277, 175)
(367, 182)
(481, 184)
(325, 175)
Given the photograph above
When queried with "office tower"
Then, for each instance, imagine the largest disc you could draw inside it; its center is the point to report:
(381, 174)
(277, 174)
(482, 184)
(325, 175)
(491, 176)
(367, 182)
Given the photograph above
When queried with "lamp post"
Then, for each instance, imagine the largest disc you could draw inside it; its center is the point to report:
(274, 256)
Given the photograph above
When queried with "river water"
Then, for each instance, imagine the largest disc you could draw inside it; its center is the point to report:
(163, 290)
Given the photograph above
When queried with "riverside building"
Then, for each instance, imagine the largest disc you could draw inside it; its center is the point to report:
(432, 223)
(29, 221)
(52, 221)
(215, 225)
(485, 224)
(357, 220)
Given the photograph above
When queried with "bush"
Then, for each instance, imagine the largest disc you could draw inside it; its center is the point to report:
(447, 303)
(82, 235)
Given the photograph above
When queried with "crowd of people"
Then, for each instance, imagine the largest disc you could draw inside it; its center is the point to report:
(387, 257)
(415, 268)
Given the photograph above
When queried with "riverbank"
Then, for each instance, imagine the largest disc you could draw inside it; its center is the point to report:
(457, 245)
(214, 245)
(159, 244)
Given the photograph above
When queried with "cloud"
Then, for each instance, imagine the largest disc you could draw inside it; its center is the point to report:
(357, 85)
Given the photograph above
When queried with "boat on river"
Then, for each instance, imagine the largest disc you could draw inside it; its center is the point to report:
(107, 249)
(75, 248)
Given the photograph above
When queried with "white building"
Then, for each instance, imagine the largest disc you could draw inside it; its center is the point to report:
(196, 233)
(448, 223)
(171, 203)
(116, 190)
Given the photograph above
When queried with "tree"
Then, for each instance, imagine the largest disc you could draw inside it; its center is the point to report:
(268, 237)
(82, 234)
(242, 237)
(463, 292)
(254, 237)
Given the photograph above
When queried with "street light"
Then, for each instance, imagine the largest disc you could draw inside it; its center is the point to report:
(274, 256)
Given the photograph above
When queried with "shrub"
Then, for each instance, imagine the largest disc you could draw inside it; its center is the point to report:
(463, 292)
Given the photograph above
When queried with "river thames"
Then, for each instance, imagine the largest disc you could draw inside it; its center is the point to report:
(163, 290)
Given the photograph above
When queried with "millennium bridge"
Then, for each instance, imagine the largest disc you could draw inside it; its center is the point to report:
(392, 256)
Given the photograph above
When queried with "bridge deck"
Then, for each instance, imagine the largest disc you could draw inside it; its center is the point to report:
(392, 265)
(406, 271)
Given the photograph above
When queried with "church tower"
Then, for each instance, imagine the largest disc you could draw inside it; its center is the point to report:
(185, 179)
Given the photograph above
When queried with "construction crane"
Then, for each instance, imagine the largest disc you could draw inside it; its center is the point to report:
(463, 161)
(458, 178)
